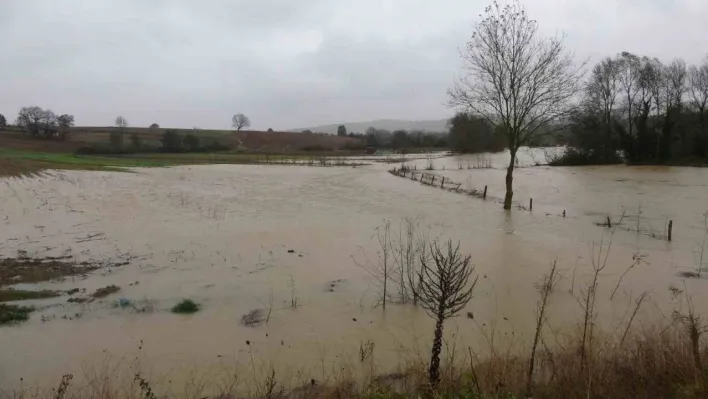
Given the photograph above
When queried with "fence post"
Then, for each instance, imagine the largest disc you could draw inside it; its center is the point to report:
(609, 222)
(671, 228)
(443, 182)
(530, 204)
(432, 180)
(563, 212)
(484, 196)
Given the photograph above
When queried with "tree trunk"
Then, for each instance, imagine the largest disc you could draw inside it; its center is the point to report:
(510, 181)
(434, 371)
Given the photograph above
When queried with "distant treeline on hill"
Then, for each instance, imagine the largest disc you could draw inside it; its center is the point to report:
(467, 134)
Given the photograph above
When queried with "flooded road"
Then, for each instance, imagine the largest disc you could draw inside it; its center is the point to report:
(241, 237)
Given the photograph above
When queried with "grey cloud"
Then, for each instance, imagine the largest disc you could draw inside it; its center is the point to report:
(286, 63)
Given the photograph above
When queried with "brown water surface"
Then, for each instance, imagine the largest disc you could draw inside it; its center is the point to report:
(221, 235)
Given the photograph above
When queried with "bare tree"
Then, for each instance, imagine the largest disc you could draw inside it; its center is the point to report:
(602, 91)
(444, 291)
(516, 78)
(677, 79)
(545, 288)
(407, 249)
(121, 122)
(49, 122)
(117, 135)
(698, 78)
(382, 269)
(3, 121)
(31, 118)
(66, 122)
(240, 121)
(628, 78)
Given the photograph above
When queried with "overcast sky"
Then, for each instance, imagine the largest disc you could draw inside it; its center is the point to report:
(287, 63)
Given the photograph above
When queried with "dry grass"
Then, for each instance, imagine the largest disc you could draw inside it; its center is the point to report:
(654, 362)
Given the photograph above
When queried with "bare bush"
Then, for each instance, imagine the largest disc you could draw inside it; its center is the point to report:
(444, 291)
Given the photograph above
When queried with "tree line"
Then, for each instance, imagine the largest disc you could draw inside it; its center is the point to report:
(640, 109)
(42, 123)
(529, 87)
(466, 133)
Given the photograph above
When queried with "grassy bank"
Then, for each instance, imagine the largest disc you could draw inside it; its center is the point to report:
(19, 163)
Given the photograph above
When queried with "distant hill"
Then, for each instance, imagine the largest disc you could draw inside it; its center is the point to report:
(437, 126)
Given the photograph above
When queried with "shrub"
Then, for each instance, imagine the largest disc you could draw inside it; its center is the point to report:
(186, 306)
(578, 157)
(316, 148)
(135, 141)
(171, 141)
(10, 314)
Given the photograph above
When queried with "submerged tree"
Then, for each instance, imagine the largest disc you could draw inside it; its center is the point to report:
(516, 79)
(444, 291)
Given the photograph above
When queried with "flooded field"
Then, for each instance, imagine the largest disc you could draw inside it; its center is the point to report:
(237, 238)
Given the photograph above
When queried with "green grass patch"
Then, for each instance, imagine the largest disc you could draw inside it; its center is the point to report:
(20, 163)
(186, 306)
(11, 314)
(8, 295)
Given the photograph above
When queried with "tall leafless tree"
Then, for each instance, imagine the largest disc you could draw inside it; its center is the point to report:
(240, 121)
(445, 289)
(602, 90)
(698, 78)
(517, 79)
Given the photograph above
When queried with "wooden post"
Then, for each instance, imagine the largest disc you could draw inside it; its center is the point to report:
(484, 196)
(563, 212)
(671, 228)
(530, 204)
(432, 180)
(442, 185)
(609, 222)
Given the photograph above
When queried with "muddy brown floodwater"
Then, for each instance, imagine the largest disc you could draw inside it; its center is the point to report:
(239, 238)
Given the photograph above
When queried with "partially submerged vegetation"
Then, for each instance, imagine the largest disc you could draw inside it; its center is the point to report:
(105, 291)
(33, 270)
(26, 270)
(9, 295)
(186, 306)
(11, 314)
